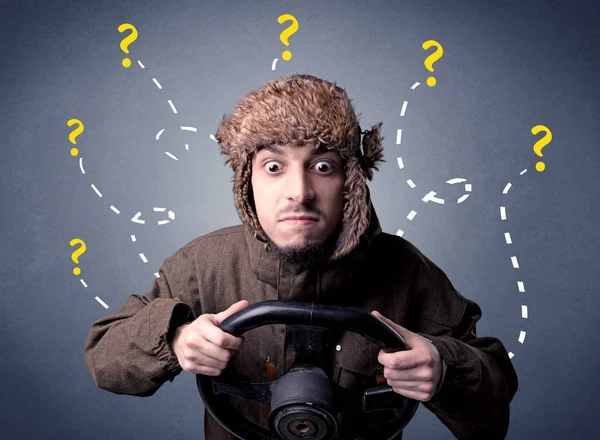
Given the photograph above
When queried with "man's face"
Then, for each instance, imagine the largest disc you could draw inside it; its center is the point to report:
(298, 194)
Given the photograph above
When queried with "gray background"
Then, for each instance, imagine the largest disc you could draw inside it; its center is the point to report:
(507, 66)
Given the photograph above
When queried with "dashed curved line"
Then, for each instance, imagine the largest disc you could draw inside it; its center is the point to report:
(160, 132)
(172, 106)
(81, 165)
(101, 302)
(214, 138)
(415, 85)
(194, 129)
(403, 108)
(171, 155)
(96, 189)
(411, 183)
(97, 298)
(273, 64)
(115, 209)
(141, 65)
(157, 83)
(515, 264)
(430, 197)
(400, 163)
(399, 136)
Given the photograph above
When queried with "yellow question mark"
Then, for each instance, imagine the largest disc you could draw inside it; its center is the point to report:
(287, 33)
(127, 41)
(537, 148)
(73, 135)
(78, 253)
(432, 58)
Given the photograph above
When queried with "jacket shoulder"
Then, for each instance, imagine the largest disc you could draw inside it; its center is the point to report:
(398, 249)
(207, 245)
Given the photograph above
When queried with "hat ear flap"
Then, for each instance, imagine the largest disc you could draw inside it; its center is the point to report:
(372, 148)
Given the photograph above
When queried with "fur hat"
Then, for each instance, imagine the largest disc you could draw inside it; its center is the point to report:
(301, 110)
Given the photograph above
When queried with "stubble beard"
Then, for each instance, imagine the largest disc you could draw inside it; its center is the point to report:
(309, 255)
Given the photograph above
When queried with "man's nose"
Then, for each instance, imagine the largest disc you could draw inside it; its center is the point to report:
(299, 186)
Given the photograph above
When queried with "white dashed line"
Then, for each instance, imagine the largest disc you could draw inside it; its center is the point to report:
(194, 129)
(102, 303)
(415, 85)
(410, 183)
(399, 136)
(523, 172)
(172, 106)
(273, 64)
(468, 187)
(463, 198)
(141, 65)
(159, 133)
(157, 83)
(214, 138)
(143, 257)
(514, 261)
(159, 209)
(136, 219)
(400, 163)
(115, 209)
(81, 165)
(507, 238)
(524, 312)
(96, 189)
(133, 238)
(403, 108)
(83, 282)
(170, 155)
(411, 215)
(429, 197)
(510, 355)
(521, 286)
(400, 233)
(187, 147)
(522, 337)
(503, 213)
(163, 222)
(506, 188)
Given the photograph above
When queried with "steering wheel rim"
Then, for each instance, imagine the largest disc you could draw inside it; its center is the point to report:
(314, 320)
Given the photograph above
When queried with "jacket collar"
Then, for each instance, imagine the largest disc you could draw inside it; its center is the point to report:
(329, 276)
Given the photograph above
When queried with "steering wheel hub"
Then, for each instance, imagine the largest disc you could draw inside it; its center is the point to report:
(302, 405)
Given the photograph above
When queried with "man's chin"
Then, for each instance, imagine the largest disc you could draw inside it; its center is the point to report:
(305, 254)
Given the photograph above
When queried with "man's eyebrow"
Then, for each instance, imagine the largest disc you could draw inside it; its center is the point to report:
(314, 152)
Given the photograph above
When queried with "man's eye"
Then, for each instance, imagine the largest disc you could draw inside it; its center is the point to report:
(323, 166)
(272, 166)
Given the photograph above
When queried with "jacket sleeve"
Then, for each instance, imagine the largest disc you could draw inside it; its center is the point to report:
(480, 380)
(127, 352)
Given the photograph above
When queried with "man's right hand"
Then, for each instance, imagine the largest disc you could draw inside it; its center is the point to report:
(202, 347)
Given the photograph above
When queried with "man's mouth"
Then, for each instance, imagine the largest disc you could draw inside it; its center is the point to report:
(299, 220)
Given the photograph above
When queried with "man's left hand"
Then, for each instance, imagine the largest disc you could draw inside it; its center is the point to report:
(413, 373)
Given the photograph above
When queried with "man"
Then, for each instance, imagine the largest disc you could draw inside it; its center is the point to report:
(309, 233)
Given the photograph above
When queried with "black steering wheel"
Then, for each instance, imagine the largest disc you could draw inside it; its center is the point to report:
(304, 401)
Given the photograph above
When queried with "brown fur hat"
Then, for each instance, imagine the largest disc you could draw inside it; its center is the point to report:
(300, 110)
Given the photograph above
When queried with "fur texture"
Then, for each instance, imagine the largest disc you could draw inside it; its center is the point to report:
(301, 110)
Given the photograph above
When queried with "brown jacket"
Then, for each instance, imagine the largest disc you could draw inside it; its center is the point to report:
(127, 351)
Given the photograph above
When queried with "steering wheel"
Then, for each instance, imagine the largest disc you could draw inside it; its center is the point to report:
(304, 400)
